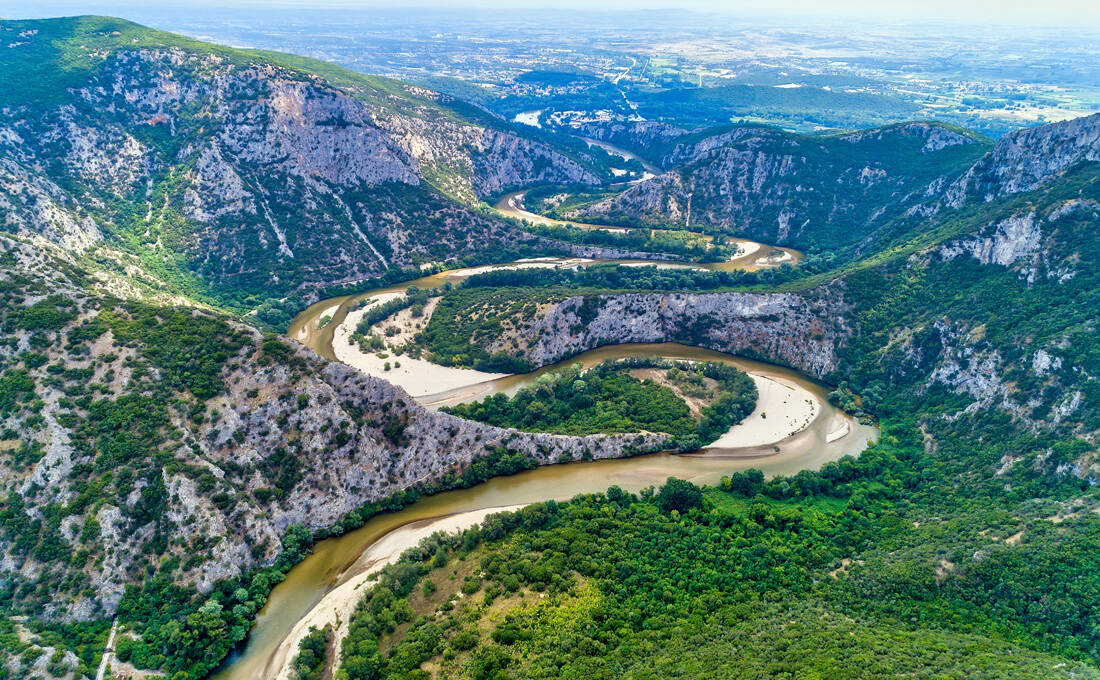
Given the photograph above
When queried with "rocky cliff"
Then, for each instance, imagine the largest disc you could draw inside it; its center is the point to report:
(802, 331)
(780, 188)
(1027, 159)
(648, 139)
(998, 314)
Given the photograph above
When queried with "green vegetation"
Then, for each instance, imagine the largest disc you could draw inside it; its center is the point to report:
(604, 398)
(467, 320)
(964, 543)
(310, 662)
(825, 202)
(837, 572)
(49, 58)
(685, 245)
(611, 277)
(607, 398)
(189, 347)
(414, 298)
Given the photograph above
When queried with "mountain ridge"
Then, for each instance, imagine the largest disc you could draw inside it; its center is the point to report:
(830, 191)
(217, 143)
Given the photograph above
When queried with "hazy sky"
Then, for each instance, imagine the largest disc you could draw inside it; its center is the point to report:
(1081, 14)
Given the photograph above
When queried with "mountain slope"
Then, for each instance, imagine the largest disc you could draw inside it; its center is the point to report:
(1025, 160)
(991, 305)
(826, 192)
(167, 463)
(155, 454)
(238, 176)
(111, 407)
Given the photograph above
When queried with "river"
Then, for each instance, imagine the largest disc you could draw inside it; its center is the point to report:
(650, 169)
(334, 562)
(751, 255)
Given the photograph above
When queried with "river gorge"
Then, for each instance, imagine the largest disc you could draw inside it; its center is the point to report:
(805, 431)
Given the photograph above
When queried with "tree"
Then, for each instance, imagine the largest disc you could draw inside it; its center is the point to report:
(678, 494)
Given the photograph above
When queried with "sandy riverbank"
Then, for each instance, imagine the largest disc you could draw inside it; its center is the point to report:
(768, 260)
(418, 377)
(841, 428)
(530, 263)
(338, 605)
(782, 409)
(745, 248)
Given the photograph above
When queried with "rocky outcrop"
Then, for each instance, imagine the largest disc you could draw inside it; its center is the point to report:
(1022, 241)
(781, 188)
(290, 441)
(358, 439)
(935, 137)
(754, 136)
(803, 331)
(258, 177)
(649, 139)
(33, 204)
(1027, 159)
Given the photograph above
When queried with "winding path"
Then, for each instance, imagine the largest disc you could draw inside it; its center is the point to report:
(325, 586)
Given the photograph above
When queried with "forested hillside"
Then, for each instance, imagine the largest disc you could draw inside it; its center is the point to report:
(962, 544)
(999, 313)
(157, 453)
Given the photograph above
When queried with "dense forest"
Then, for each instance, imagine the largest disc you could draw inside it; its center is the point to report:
(757, 578)
(608, 398)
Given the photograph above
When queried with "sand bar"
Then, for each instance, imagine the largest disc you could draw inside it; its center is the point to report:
(839, 430)
(327, 311)
(769, 260)
(782, 409)
(745, 248)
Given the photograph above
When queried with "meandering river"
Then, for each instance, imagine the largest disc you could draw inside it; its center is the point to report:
(750, 256)
(830, 435)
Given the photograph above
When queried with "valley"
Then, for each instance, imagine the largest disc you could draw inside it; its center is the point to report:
(744, 255)
(804, 431)
(308, 374)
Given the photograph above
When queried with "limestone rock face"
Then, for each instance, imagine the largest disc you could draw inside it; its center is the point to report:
(646, 137)
(1024, 160)
(796, 330)
(1022, 241)
(261, 177)
(786, 189)
(297, 441)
